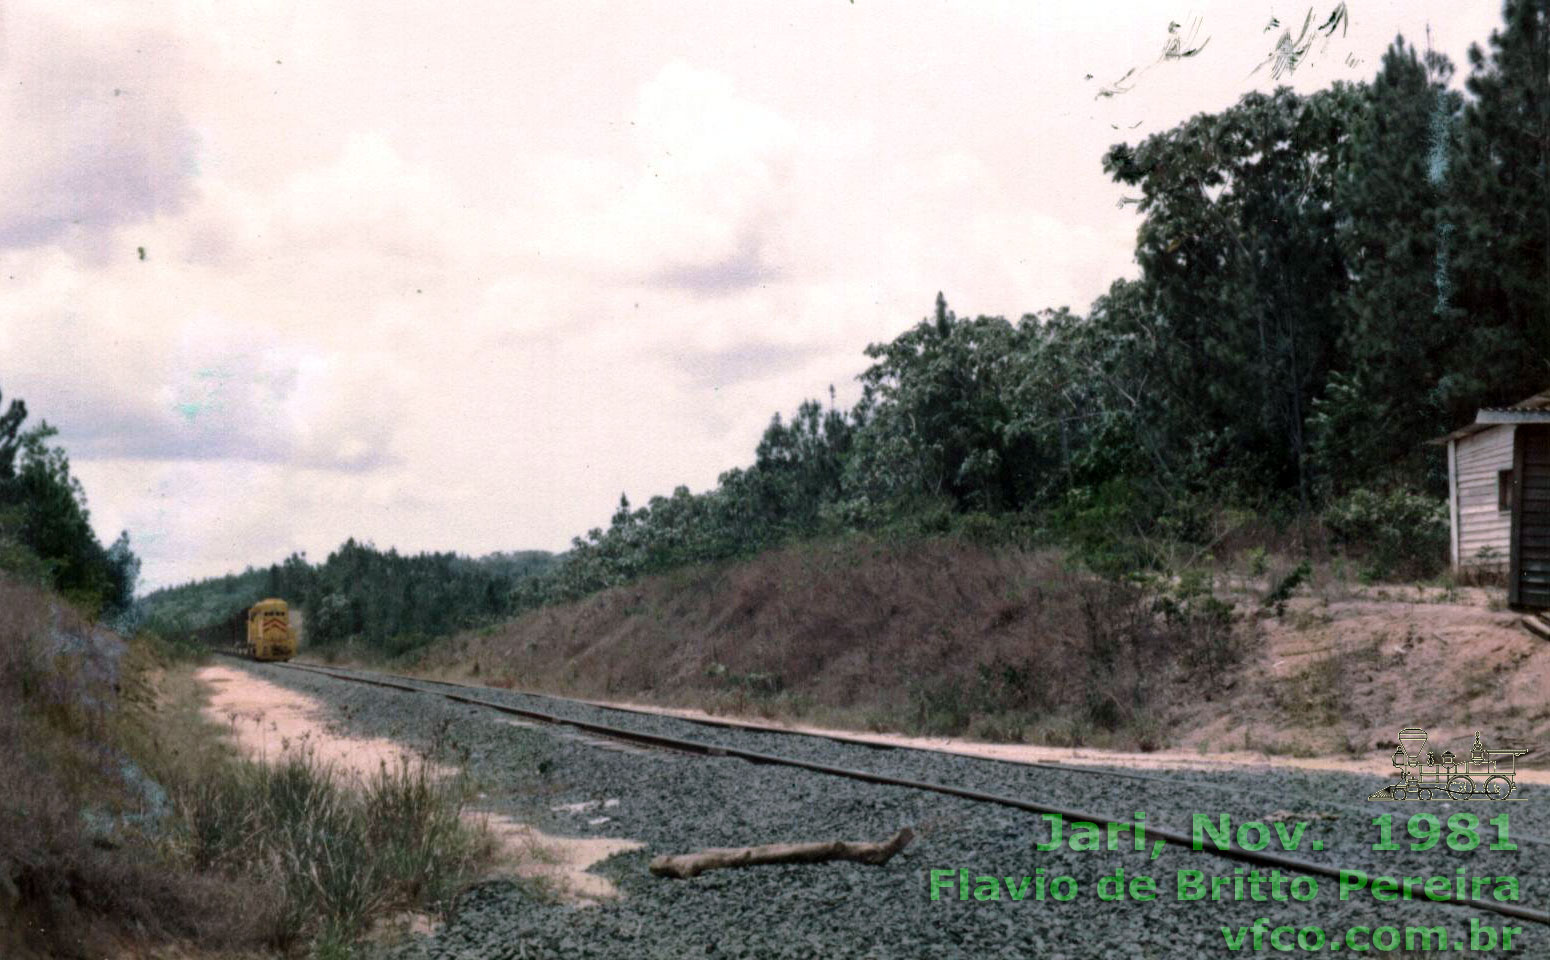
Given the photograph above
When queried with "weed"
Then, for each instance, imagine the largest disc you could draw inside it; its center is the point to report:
(336, 855)
(1396, 533)
(1283, 588)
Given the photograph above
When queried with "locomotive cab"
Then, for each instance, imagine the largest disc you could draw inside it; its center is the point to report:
(269, 631)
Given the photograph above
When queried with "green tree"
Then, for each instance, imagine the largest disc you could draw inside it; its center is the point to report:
(937, 416)
(1502, 196)
(799, 466)
(123, 569)
(10, 437)
(48, 505)
(1369, 421)
(1238, 247)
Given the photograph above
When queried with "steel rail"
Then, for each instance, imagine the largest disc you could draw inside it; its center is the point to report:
(1083, 770)
(1173, 837)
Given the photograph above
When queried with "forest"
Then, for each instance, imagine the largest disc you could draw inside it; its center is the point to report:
(399, 601)
(45, 527)
(1326, 282)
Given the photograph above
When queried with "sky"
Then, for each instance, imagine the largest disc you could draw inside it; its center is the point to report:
(456, 276)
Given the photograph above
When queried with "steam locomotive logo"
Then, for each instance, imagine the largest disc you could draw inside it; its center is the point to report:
(1486, 775)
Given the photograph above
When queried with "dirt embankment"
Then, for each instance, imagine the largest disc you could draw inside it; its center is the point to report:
(948, 638)
(860, 631)
(1345, 668)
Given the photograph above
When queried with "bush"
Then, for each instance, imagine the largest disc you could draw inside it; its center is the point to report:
(336, 857)
(994, 704)
(1100, 525)
(1398, 533)
(1281, 591)
(1199, 625)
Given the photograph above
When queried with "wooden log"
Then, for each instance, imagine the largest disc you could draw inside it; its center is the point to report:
(1536, 625)
(686, 865)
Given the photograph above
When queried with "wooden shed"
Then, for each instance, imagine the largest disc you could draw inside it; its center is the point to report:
(1499, 497)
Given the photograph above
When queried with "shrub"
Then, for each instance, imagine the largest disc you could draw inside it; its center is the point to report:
(993, 704)
(336, 856)
(1283, 588)
(1099, 525)
(941, 708)
(1200, 626)
(1399, 533)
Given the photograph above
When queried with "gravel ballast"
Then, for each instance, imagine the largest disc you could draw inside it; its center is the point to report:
(677, 803)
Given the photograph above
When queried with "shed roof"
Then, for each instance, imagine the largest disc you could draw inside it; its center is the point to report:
(1535, 409)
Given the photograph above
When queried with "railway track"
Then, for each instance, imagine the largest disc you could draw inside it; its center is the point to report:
(1077, 769)
(464, 694)
(1193, 783)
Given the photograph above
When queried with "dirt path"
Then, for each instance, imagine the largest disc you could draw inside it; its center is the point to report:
(268, 720)
(1076, 756)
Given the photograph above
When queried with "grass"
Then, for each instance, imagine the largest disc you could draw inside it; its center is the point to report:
(1320, 695)
(129, 825)
(944, 635)
(936, 636)
(329, 854)
(83, 869)
(333, 856)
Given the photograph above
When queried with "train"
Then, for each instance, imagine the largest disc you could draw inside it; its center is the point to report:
(269, 630)
(269, 633)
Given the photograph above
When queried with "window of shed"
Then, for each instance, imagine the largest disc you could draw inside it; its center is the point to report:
(1504, 489)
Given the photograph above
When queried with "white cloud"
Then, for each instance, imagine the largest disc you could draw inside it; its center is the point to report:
(96, 135)
(454, 278)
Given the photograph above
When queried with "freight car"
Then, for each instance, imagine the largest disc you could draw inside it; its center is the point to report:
(268, 630)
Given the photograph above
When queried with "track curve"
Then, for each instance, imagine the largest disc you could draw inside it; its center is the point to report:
(679, 744)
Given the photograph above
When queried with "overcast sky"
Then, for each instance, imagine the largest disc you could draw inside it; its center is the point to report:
(456, 275)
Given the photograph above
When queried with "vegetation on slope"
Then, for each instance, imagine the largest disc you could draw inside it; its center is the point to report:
(80, 865)
(45, 528)
(1284, 650)
(939, 636)
(128, 823)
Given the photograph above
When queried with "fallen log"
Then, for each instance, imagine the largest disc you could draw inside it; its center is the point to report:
(686, 865)
(1537, 625)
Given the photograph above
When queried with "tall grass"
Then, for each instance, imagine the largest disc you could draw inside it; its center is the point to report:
(332, 853)
(123, 824)
(82, 867)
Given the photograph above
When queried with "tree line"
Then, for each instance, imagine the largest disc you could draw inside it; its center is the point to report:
(1326, 281)
(394, 601)
(45, 526)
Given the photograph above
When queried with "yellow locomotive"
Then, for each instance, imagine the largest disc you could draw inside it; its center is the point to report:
(270, 636)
